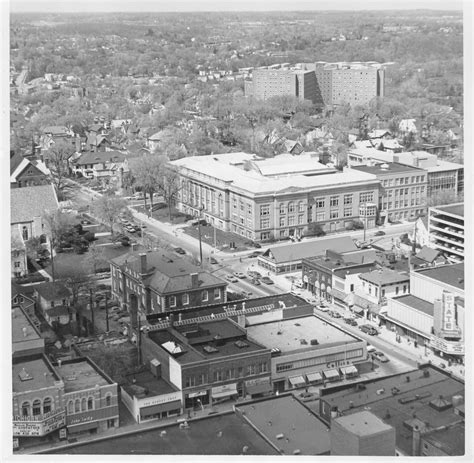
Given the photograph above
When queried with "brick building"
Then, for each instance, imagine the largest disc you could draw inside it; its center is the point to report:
(404, 189)
(163, 282)
(237, 192)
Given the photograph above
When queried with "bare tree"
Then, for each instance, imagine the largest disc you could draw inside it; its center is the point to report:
(108, 209)
(57, 160)
(57, 224)
(94, 259)
(169, 185)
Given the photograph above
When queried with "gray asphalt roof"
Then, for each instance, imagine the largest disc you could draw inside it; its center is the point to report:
(33, 201)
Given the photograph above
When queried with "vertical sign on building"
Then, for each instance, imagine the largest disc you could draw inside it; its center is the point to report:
(449, 312)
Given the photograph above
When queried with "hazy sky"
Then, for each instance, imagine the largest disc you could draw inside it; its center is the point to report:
(225, 5)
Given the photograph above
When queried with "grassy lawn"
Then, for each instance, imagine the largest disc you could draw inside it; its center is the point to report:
(67, 263)
(223, 238)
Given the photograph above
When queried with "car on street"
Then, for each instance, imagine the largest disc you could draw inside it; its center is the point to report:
(322, 308)
(368, 329)
(380, 356)
(255, 281)
(311, 300)
(255, 254)
(231, 278)
(334, 314)
(179, 250)
(350, 321)
(254, 274)
(213, 260)
(379, 233)
(239, 275)
(247, 294)
(267, 280)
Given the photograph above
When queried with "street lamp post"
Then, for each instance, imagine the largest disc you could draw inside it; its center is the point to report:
(199, 232)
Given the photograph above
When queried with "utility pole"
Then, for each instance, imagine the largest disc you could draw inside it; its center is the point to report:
(200, 237)
(106, 313)
(52, 257)
(92, 311)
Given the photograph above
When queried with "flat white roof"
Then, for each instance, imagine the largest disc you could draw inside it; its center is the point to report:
(219, 168)
(291, 335)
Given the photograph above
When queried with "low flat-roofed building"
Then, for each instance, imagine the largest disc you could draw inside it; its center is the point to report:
(209, 361)
(307, 350)
(289, 257)
(448, 441)
(38, 408)
(287, 424)
(362, 433)
(403, 401)
(446, 230)
(26, 339)
(90, 396)
(148, 396)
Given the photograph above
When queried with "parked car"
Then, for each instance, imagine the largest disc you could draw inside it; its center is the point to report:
(267, 280)
(299, 284)
(239, 275)
(379, 233)
(255, 281)
(380, 356)
(179, 250)
(254, 274)
(368, 329)
(247, 294)
(255, 254)
(231, 278)
(334, 314)
(350, 321)
(213, 260)
(322, 308)
(311, 300)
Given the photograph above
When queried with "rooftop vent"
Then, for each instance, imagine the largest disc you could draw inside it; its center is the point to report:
(440, 404)
(210, 349)
(24, 375)
(384, 166)
(241, 344)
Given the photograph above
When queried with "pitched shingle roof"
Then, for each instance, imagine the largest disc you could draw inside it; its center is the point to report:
(168, 274)
(96, 157)
(32, 201)
(52, 291)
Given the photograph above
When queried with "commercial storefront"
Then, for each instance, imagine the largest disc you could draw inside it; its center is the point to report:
(225, 392)
(29, 426)
(93, 421)
(258, 386)
(196, 399)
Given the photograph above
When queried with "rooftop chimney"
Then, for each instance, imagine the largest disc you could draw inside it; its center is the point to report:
(416, 441)
(25, 331)
(194, 280)
(142, 263)
(134, 310)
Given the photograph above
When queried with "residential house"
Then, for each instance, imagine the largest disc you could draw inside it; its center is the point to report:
(27, 172)
(153, 141)
(163, 283)
(53, 300)
(107, 166)
(97, 142)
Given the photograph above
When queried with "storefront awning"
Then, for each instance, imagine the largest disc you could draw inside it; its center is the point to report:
(331, 374)
(314, 377)
(351, 370)
(83, 426)
(297, 381)
(160, 408)
(224, 391)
